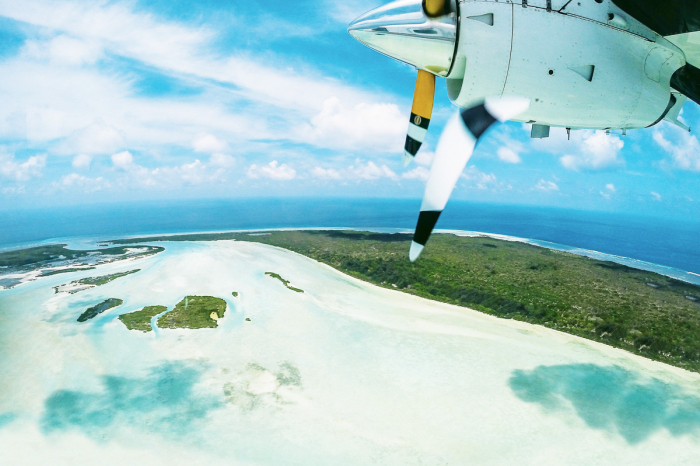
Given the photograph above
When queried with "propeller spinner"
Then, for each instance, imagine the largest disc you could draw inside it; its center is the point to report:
(422, 34)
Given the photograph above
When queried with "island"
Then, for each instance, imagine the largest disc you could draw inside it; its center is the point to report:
(194, 312)
(643, 312)
(284, 282)
(49, 272)
(97, 281)
(141, 320)
(20, 266)
(105, 305)
(90, 282)
(235, 294)
(59, 252)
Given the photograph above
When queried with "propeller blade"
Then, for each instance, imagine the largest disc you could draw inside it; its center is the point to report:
(454, 149)
(421, 112)
(434, 8)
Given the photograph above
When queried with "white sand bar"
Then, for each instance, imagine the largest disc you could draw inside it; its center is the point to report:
(343, 374)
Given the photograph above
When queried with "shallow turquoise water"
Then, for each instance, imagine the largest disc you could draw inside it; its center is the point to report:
(344, 373)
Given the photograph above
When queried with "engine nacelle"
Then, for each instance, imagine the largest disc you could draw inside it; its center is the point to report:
(578, 71)
(582, 64)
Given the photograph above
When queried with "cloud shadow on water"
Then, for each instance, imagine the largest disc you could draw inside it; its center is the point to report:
(163, 402)
(611, 398)
(6, 419)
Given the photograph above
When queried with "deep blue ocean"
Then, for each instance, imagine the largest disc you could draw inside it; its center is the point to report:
(668, 242)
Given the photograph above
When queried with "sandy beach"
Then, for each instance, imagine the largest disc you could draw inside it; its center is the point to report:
(343, 373)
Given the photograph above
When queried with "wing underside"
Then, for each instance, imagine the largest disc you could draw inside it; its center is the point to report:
(667, 17)
(679, 22)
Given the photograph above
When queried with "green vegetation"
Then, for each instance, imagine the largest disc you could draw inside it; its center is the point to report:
(83, 284)
(35, 255)
(285, 282)
(99, 308)
(97, 281)
(186, 237)
(194, 312)
(23, 261)
(235, 294)
(141, 320)
(48, 273)
(59, 252)
(643, 312)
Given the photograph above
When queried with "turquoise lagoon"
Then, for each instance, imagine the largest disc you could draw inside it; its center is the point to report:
(344, 373)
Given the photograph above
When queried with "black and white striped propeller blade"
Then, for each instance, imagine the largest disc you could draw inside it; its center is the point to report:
(454, 149)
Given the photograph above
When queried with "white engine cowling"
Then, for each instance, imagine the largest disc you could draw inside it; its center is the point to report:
(578, 73)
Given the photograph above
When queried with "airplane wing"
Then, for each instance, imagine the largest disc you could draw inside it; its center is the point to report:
(668, 17)
(679, 22)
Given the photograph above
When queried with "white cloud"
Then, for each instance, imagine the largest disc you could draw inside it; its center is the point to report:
(326, 173)
(273, 171)
(96, 138)
(81, 161)
(371, 171)
(368, 171)
(418, 173)
(508, 155)
(13, 190)
(21, 171)
(89, 185)
(208, 143)
(657, 196)
(510, 148)
(70, 180)
(546, 186)
(64, 50)
(481, 180)
(684, 149)
(424, 157)
(89, 112)
(137, 175)
(222, 160)
(123, 160)
(596, 150)
(164, 177)
(190, 173)
(130, 174)
(587, 149)
(260, 97)
(610, 188)
(379, 127)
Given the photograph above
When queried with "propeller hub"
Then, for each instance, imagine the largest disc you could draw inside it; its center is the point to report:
(402, 30)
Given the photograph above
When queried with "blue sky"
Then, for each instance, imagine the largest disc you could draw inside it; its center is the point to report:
(128, 100)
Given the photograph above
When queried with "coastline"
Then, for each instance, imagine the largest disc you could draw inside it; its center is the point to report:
(375, 367)
(624, 316)
(641, 312)
(668, 271)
